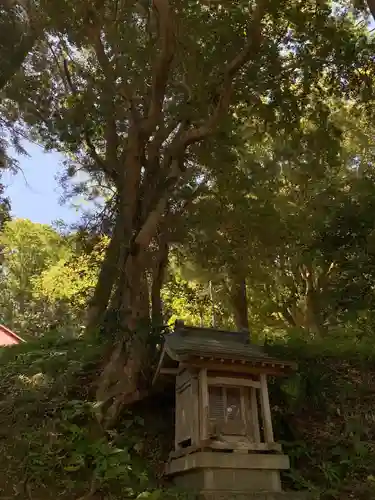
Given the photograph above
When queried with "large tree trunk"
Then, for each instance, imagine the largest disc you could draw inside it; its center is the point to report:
(121, 381)
(145, 175)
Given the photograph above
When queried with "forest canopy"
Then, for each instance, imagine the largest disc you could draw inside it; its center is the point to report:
(227, 150)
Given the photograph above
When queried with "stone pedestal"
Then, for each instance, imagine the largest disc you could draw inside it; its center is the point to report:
(285, 495)
(224, 474)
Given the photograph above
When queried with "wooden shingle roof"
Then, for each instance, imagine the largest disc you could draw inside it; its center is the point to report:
(186, 343)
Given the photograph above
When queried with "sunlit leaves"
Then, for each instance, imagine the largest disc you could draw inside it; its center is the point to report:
(28, 251)
(73, 277)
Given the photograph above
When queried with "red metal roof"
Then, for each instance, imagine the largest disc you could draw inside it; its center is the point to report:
(7, 337)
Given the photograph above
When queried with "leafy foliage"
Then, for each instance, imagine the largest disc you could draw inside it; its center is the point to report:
(29, 304)
(270, 219)
(324, 416)
(73, 277)
(134, 78)
(52, 446)
(17, 36)
(58, 455)
(292, 223)
(4, 208)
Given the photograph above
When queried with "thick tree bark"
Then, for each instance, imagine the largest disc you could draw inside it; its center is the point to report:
(119, 382)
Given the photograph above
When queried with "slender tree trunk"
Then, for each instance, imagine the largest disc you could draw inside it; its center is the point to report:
(106, 279)
(312, 311)
(239, 303)
(158, 276)
(313, 319)
(213, 315)
(287, 316)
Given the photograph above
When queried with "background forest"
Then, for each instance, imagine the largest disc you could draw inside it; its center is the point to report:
(227, 152)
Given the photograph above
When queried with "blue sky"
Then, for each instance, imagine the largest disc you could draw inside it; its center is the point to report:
(34, 191)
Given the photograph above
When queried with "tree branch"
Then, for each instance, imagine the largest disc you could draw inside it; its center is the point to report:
(126, 93)
(163, 63)
(149, 228)
(18, 57)
(251, 47)
(61, 71)
(110, 134)
(160, 136)
(28, 28)
(94, 154)
(173, 157)
(371, 6)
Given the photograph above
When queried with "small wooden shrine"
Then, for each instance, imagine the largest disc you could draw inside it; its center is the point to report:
(224, 441)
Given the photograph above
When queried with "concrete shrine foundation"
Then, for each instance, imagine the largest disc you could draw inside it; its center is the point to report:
(207, 471)
(219, 495)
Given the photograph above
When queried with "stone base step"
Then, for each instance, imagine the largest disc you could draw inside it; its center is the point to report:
(227, 495)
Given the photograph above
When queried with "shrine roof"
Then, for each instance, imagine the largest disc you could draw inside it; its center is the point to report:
(187, 342)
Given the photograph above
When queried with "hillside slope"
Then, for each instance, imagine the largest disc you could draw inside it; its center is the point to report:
(51, 447)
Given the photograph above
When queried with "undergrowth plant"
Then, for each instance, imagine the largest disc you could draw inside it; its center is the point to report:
(52, 447)
(51, 444)
(324, 414)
